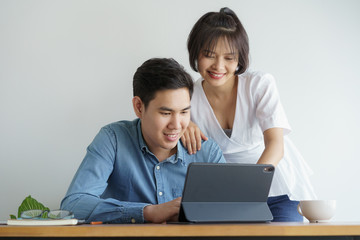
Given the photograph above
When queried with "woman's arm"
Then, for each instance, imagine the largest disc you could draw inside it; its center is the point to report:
(274, 147)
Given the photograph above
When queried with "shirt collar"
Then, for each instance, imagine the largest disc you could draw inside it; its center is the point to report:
(180, 154)
(142, 145)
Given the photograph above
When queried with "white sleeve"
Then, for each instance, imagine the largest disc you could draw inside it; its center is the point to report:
(269, 110)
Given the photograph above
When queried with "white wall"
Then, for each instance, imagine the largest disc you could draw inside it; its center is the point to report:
(66, 69)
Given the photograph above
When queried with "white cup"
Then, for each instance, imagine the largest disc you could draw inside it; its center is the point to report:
(317, 210)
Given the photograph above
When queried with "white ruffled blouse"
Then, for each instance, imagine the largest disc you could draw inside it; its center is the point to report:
(258, 108)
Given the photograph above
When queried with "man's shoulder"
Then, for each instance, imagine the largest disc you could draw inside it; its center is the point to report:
(122, 126)
(210, 152)
(210, 143)
(119, 135)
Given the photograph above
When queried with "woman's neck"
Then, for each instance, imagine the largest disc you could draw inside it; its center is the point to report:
(221, 92)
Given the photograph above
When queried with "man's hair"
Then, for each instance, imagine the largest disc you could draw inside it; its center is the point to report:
(213, 26)
(159, 74)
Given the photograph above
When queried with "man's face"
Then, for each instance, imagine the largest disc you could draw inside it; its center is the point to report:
(164, 121)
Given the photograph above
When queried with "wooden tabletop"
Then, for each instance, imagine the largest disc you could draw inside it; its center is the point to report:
(185, 230)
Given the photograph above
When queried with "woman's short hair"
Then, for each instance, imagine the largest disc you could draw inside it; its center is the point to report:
(215, 25)
(158, 74)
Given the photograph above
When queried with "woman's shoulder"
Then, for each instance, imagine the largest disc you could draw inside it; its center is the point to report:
(251, 75)
(253, 80)
(198, 88)
(198, 82)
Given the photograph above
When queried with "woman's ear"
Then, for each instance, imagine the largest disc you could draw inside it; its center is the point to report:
(138, 106)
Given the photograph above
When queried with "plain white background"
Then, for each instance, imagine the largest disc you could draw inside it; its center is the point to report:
(66, 70)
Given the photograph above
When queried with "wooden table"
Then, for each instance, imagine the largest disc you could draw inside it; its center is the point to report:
(332, 230)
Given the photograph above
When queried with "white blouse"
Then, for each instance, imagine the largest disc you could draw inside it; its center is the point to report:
(258, 108)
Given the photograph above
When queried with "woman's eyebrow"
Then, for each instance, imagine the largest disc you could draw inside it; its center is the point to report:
(208, 51)
(212, 52)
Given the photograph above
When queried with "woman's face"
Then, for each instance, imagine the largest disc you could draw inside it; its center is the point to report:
(218, 66)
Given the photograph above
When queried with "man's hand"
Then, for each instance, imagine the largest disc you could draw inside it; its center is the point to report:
(165, 212)
(191, 139)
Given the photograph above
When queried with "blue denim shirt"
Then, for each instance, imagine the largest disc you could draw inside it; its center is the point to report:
(119, 176)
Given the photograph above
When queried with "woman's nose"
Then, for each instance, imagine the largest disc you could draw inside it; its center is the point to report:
(218, 64)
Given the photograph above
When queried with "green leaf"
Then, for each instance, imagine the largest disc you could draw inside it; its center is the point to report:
(30, 203)
(12, 216)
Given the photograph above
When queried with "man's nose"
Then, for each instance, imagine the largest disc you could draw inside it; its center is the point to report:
(175, 122)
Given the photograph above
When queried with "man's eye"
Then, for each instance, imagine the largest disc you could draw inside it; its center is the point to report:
(184, 112)
(164, 113)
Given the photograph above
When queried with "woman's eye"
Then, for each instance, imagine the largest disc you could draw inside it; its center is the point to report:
(208, 55)
(231, 58)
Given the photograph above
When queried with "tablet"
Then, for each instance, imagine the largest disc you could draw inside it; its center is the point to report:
(226, 192)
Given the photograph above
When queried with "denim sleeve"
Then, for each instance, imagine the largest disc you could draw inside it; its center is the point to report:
(92, 208)
(90, 181)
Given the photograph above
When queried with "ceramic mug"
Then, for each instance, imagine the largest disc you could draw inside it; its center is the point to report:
(317, 210)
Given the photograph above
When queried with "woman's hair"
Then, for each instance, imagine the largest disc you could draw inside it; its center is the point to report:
(159, 74)
(215, 25)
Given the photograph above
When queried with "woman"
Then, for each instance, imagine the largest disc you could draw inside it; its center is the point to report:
(241, 110)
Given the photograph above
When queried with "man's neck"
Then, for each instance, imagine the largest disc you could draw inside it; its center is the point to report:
(163, 155)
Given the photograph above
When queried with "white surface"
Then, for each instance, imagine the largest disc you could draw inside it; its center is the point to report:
(317, 210)
(66, 69)
(33, 222)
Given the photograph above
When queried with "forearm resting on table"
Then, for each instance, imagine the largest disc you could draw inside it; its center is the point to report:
(161, 213)
(274, 147)
(92, 208)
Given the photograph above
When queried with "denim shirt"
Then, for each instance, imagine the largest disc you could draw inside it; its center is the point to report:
(119, 175)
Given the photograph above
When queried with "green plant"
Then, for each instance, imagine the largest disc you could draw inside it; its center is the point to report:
(30, 203)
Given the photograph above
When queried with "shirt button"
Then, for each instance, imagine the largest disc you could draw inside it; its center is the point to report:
(160, 193)
(133, 220)
(157, 167)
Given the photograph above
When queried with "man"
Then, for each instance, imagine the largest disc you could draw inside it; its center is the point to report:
(134, 171)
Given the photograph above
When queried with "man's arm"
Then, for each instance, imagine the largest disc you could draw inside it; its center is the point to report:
(165, 212)
(92, 208)
(83, 197)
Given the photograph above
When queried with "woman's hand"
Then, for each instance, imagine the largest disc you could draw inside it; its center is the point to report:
(191, 139)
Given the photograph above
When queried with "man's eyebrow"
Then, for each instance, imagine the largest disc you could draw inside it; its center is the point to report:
(171, 110)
